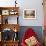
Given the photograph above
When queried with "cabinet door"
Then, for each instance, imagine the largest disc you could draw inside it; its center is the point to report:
(10, 44)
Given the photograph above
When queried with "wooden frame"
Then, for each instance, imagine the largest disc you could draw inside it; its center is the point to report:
(29, 14)
(5, 12)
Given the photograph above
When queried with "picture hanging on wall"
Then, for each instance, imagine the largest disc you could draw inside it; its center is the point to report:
(29, 14)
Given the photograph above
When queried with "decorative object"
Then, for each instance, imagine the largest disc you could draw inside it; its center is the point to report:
(29, 14)
(30, 38)
(6, 21)
(15, 3)
(13, 12)
(5, 12)
(31, 41)
(7, 34)
(15, 34)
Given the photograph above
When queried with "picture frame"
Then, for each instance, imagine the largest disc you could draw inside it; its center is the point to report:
(29, 14)
(5, 12)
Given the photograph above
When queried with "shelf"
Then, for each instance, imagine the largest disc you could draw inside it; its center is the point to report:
(6, 24)
(11, 41)
(5, 12)
(10, 26)
(9, 10)
(5, 8)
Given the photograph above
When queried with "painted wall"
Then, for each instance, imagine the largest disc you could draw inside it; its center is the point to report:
(27, 4)
(32, 4)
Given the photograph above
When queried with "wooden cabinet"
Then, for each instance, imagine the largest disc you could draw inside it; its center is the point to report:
(10, 43)
(5, 13)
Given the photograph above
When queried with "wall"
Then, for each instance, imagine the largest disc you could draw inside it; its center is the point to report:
(27, 4)
(32, 4)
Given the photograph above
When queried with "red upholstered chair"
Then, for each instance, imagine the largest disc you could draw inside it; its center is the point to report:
(29, 33)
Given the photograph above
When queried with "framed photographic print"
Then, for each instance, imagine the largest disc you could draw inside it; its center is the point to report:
(29, 14)
(5, 12)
